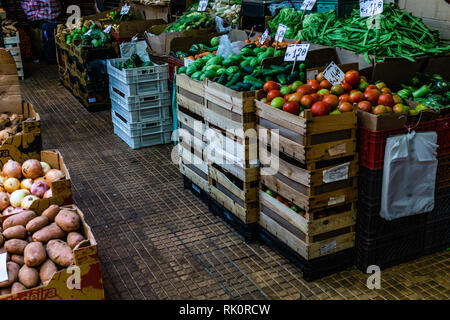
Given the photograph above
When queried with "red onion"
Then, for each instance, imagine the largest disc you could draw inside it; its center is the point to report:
(38, 188)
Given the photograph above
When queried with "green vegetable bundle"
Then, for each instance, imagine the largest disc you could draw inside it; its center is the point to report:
(290, 18)
(134, 62)
(396, 34)
(190, 20)
(96, 38)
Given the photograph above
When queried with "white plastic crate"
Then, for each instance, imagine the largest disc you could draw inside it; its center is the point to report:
(150, 114)
(135, 103)
(138, 89)
(140, 128)
(137, 75)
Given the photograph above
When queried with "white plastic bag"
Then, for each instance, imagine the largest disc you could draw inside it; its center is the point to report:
(219, 25)
(136, 47)
(409, 175)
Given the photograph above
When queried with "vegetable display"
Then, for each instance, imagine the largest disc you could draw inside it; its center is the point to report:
(227, 10)
(290, 18)
(396, 34)
(88, 35)
(200, 50)
(190, 20)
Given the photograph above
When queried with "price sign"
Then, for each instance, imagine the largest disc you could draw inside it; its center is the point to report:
(308, 5)
(296, 52)
(202, 5)
(107, 29)
(264, 37)
(280, 32)
(333, 74)
(368, 8)
(125, 9)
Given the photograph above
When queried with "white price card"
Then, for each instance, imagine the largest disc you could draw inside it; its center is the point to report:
(202, 5)
(333, 73)
(296, 52)
(107, 29)
(264, 36)
(3, 269)
(280, 32)
(308, 5)
(187, 62)
(336, 173)
(125, 9)
(368, 8)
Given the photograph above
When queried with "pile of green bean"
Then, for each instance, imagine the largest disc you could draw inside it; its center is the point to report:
(397, 34)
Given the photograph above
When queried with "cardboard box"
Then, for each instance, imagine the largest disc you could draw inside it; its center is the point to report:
(391, 120)
(86, 259)
(129, 29)
(144, 12)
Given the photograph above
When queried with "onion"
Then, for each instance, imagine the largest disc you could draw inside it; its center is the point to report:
(12, 169)
(32, 169)
(53, 175)
(40, 179)
(28, 201)
(4, 201)
(2, 179)
(39, 188)
(48, 194)
(17, 196)
(11, 185)
(26, 184)
(45, 167)
(10, 211)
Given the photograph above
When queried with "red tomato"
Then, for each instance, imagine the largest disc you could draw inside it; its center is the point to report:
(347, 86)
(325, 84)
(386, 90)
(356, 96)
(379, 109)
(331, 101)
(385, 99)
(271, 85)
(272, 94)
(345, 107)
(365, 106)
(320, 77)
(307, 101)
(305, 89)
(320, 109)
(371, 87)
(352, 77)
(292, 107)
(296, 96)
(344, 98)
(286, 97)
(313, 84)
(372, 95)
(316, 97)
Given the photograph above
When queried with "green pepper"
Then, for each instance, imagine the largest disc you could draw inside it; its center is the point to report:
(404, 93)
(421, 92)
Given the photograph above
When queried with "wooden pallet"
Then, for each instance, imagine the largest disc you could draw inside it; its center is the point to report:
(191, 136)
(190, 94)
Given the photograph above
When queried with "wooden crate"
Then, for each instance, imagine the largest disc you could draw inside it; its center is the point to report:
(190, 94)
(239, 196)
(194, 168)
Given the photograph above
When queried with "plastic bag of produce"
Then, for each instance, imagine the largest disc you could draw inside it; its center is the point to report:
(219, 25)
(409, 175)
(127, 49)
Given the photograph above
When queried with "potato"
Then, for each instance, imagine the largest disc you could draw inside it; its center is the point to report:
(13, 272)
(51, 212)
(1, 239)
(68, 220)
(17, 287)
(18, 258)
(37, 224)
(48, 269)
(60, 252)
(34, 254)
(5, 291)
(18, 219)
(74, 238)
(16, 232)
(15, 246)
(29, 277)
(52, 231)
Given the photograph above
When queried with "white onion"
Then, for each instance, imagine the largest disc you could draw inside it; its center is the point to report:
(17, 196)
(45, 167)
(28, 201)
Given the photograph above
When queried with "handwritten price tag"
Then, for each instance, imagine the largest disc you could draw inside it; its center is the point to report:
(308, 5)
(333, 73)
(280, 32)
(125, 9)
(264, 37)
(368, 8)
(202, 5)
(296, 52)
(107, 29)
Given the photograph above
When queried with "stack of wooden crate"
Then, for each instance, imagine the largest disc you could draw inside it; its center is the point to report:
(12, 44)
(308, 180)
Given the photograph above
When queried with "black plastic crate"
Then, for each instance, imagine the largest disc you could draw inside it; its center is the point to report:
(370, 182)
(391, 250)
(441, 206)
(312, 269)
(437, 236)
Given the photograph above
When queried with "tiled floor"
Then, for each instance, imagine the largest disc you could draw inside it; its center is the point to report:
(158, 241)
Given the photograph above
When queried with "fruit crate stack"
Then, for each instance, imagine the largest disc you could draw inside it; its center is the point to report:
(140, 101)
(12, 44)
(193, 165)
(308, 195)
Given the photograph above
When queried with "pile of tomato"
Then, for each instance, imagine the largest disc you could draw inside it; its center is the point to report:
(323, 98)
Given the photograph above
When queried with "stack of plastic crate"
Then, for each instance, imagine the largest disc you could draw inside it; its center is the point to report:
(140, 104)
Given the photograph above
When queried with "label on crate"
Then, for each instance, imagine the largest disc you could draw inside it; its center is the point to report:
(336, 173)
(3, 269)
(296, 52)
(202, 5)
(280, 32)
(339, 149)
(333, 73)
(336, 200)
(108, 28)
(264, 37)
(327, 247)
(308, 5)
(368, 8)
(125, 9)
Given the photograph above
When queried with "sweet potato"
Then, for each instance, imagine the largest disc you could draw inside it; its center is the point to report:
(15, 246)
(18, 258)
(18, 219)
(52, 231)
(17, 287)
(68, 220)
(16, 232)
(1, 239)
(74, 238)
(29, 277)
(37, 224)
(60, 252)
(13, 272)
(34, 254)
(51, 212)
(48, 269)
